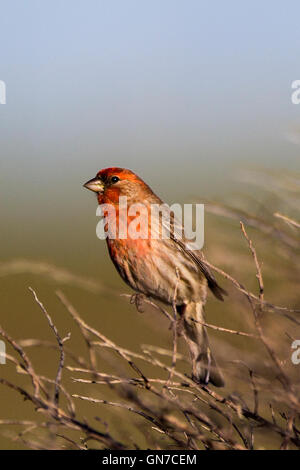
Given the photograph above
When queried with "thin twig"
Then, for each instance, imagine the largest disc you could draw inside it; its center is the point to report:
(60, 344)
(258, 268)
(287, 219)
(27, 363)
(174, 327)
(226, 330)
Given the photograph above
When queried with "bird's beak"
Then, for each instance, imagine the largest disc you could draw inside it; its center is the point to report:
(95, 184)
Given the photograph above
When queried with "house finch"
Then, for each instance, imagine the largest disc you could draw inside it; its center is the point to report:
(160, 266)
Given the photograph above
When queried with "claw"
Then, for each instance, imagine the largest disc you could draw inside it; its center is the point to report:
(138, 300)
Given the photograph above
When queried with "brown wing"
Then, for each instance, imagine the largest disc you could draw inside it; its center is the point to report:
(197, 256)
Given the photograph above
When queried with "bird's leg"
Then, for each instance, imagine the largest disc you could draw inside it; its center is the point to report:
(138, 300)
(180, 325)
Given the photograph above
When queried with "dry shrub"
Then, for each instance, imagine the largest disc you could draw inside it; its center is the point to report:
(157, 403)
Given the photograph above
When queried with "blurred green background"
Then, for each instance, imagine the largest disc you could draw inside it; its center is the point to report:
(190, 95)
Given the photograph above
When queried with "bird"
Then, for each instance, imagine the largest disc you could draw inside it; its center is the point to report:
(156, 267)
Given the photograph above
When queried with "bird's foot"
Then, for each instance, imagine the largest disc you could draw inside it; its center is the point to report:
(138, 300)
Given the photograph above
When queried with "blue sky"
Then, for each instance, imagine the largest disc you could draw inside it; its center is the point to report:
(135, 83)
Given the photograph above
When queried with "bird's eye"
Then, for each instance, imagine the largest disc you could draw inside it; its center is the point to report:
(115, 179)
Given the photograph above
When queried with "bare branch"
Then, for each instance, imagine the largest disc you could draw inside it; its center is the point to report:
(60, 344)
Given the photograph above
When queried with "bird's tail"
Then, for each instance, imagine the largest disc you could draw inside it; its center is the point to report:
(204, 366)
